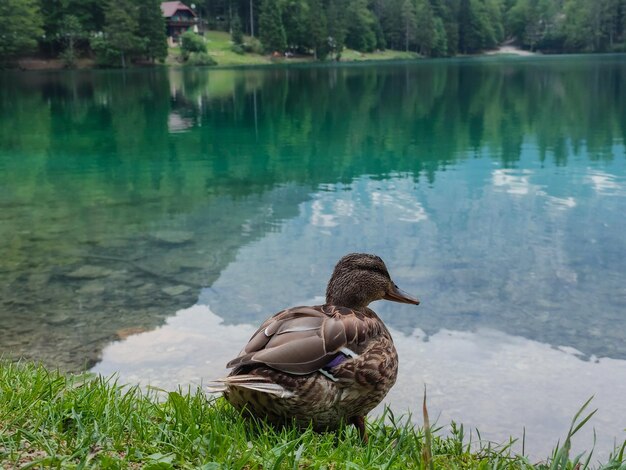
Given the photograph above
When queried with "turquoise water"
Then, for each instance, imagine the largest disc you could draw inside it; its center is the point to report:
(494, 189)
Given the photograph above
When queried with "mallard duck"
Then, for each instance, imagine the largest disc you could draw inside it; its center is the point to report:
(326, 364)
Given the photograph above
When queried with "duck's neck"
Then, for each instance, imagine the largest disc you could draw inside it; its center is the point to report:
(338, 302)
(344, 294)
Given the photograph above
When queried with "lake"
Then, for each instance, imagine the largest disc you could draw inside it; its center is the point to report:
(151, 219)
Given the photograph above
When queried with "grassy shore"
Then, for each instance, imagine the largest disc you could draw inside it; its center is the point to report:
(219, 47)
(52, 420)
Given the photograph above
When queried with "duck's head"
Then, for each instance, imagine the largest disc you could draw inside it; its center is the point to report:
(359, 279)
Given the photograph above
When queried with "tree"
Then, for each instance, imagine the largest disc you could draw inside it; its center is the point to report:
(390, 15)
(152, 26)
(271, 29)
(448, 11)
(52, 14)
(524, 23)
(121, 29)
(236, 33)
(337, 22)
(604, 22)
(21, 26)
(71, 31)
(425, 27)
(577, 27)
(440, 41)
(298, 29)
(361, 35)
(318, 28)
(476, 31)
(493, 9)
(90, 13)
(409, 15)
(61, 16)
(534, 24)
(191, 42)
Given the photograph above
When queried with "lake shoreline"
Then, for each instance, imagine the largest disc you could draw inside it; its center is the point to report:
(387, 56)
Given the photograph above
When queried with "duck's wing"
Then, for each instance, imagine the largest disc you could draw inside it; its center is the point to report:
(301, 340)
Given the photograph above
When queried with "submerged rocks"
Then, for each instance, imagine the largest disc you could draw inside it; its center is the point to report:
(124, 333)
(89, 272)
(92, 288)
(176, 290)
(173, 237)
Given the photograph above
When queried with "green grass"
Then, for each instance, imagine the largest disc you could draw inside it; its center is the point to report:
(52, 420)
(350, 55)
(219, 46)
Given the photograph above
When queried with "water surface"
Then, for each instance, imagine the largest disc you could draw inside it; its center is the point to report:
(494, 190)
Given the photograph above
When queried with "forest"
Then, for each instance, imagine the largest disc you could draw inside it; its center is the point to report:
(135, 29)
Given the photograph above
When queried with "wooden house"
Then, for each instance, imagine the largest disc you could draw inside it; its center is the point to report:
(178, 19)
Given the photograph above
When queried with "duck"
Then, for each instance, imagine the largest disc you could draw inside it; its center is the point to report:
(325, 365)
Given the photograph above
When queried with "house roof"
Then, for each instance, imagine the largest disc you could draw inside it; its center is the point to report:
(169, 8)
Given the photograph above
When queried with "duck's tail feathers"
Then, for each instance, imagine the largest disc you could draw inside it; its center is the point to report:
(250, 382)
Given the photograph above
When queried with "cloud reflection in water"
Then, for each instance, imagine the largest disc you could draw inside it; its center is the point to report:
(485, 379)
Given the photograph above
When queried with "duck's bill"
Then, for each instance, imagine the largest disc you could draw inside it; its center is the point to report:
(397, 295)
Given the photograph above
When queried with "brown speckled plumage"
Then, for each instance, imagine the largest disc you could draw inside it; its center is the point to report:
(326, 364)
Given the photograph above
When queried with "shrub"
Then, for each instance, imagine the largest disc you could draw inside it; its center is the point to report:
(191, 42)
(253, 45)
(238, 49)
(236, 31)
(68, 56)
(200, 58)
(106, 56)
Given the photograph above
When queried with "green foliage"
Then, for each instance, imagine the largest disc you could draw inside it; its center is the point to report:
(593, 26)
(361, 34)
(236, 31)
(68, 56)
(535, 24)
(20, 28)
(436, 28)
(194, 50)
(89, 14)
(131, 29)
(476, 26)
(121, 30)
(337, 23)
(272, 31)
(409, 16)
(200, 58)
(53, 420)
(71, 31)
(381, 43)
(578, 30)
(296, 18)
(440, 41)
(392, 24)
(568, 25)
(105, 54)
(191, 42)
(152, 29)
(253, 45)
(424, 27)
(448, 12)
(238, 49)
(318, 29)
